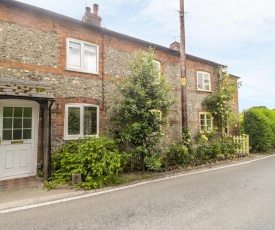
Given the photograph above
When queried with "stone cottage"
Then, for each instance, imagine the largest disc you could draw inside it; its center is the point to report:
(56, 83)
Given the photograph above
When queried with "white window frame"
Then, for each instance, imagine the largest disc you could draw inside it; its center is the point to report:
(81, 69)
(81, 134)
(157, 111)
(158, 66)
(207, 129)
(204, 74)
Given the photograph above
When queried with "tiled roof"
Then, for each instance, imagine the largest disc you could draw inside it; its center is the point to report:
(25, 88)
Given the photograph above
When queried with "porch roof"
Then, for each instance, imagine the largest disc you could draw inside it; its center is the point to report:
(27, 89)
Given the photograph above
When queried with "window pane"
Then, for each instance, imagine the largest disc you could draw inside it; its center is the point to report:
(17, 123)
(17, 134)
(90, 120)
(27, 112)
(18, 111)
(74, 54)
(7, 123)
(73, 121)
(200, 81)
(7, 135)
(27, 134)
(90, 58)
(8, 111)
(27, 123)
(206, 77)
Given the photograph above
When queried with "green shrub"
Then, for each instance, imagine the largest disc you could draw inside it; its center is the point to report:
(209, 146)
(153, 163)
(178, 154)
(258, 126)
(270, 115)
(215, 150)
(228, 146)
(97, 159)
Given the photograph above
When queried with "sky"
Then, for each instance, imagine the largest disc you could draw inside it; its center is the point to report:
(236, 33)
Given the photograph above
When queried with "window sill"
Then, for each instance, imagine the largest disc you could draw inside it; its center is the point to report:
(206, 91)
(81, 71)
(68, 138)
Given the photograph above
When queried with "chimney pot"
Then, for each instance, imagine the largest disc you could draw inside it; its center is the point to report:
(95, 9)
(175, 46)
(88, 9)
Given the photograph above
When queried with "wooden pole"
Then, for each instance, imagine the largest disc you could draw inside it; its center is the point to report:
(182, 65)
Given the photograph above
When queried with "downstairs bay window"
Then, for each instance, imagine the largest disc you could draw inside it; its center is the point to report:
(81, 120)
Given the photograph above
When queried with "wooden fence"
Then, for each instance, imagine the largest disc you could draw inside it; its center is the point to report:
(243, 142)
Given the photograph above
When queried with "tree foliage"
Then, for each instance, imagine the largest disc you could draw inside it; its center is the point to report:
(140, 113)
(259, 123)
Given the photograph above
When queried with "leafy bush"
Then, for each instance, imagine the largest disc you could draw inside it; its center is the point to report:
(259, 128)
(180, 152)
(228, 146)
(270, 115)
(97, 159)
(177, 154)
(209, 146)
(153, 163)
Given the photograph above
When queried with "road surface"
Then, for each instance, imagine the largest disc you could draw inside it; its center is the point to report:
(239, 197)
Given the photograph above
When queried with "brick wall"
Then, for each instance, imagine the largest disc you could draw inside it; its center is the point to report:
(195, 97)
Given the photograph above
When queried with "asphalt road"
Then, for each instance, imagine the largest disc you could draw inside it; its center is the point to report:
(239, 197)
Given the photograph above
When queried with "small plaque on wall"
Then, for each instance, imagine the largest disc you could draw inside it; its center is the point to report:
(183, 81)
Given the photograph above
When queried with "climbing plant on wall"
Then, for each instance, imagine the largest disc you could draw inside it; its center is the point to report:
(221, 103)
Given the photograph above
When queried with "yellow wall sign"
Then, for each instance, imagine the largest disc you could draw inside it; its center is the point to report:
(183, 81)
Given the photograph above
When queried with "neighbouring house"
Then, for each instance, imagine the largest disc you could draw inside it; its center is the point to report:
(56, 83)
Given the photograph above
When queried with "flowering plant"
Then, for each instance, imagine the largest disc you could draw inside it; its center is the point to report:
(221, 103)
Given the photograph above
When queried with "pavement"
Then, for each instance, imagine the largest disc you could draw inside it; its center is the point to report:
(36, 193)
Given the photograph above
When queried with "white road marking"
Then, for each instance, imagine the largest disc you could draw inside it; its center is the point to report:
(8, 210)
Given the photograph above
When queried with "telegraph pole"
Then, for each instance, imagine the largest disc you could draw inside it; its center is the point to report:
(183, 66)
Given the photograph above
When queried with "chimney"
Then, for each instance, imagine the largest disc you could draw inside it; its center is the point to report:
(175, 46)
(96, 9)
(92, 18)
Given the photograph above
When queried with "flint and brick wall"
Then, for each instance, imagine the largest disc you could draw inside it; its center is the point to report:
(33, 47)
(196, 97)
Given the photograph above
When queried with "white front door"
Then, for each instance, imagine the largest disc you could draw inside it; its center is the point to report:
(18, 132)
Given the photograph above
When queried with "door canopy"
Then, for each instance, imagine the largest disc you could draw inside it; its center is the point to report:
(26, 89)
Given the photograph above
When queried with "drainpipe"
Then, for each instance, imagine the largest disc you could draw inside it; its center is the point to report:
(50, 141)
(102, 69)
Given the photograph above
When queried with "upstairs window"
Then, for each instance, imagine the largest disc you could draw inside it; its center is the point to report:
(156, 114)
(82, 56)
(81, 120)
(157, 66)
(206, 123)
(204, 82)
